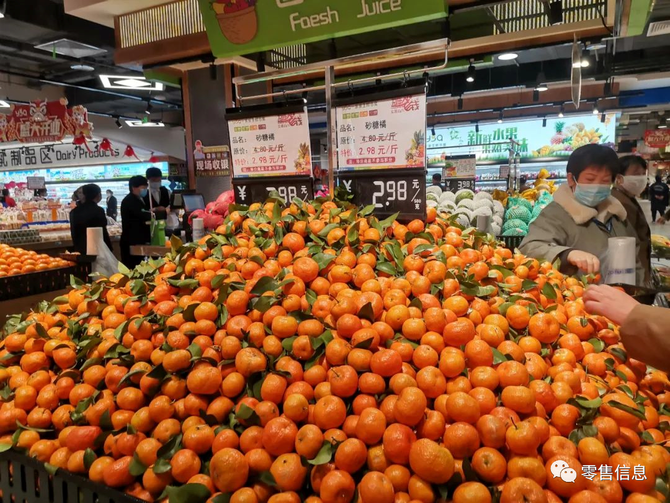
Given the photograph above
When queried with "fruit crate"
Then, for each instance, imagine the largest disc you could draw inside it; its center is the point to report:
(26, 480)
(34, 283)
(511, 242)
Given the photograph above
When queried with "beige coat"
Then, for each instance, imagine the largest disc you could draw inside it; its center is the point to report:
(566, 225)
(645, 336)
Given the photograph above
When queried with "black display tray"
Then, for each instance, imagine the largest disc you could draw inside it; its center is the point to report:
(26, 480)
(35, 283)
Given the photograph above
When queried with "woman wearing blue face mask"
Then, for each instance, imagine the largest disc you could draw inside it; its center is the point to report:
(576, 226)
(135, 216)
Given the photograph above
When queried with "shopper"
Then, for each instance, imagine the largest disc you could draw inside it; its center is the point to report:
(643, 330)
(658, 195)
(112, 205)
(576, 226)
(40, 194)
(160, 196)
(86, 215)
(8, 200)
(135, 217)
(78, 196)
(630, 183)
(437, 181)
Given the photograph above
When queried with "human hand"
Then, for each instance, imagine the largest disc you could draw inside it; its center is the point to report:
(609, 302)
(584, 261)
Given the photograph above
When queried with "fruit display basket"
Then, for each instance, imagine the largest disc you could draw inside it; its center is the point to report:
(34, 283)
(24, 479)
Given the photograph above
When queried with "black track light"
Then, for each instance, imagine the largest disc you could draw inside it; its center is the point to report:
(603, 117)
(561, 111)
(555, 12)
(470, 75)
(460, 103)
(536, 95)
(541, 84)
(213, 71)
(476, 127)
(118, 123)
(149, 108)
(607, 88)
(500, 117)
(544, 122)
(432, 130)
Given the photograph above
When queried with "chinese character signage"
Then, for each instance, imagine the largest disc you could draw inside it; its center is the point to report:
(64, 154)
(35, 182)
(460, 166)
(271, 145)
(559, 138)
(237, 27)
(83, 173)
(211, 161)
(388, 133)
(657, 138)
(45, 121)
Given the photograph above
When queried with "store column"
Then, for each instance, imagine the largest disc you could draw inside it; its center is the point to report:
(207, 94)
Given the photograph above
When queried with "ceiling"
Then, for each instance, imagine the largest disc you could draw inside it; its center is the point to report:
(104, 11)
(30, 24)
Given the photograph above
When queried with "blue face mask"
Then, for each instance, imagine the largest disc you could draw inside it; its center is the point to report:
(592, 195)
(143, 192)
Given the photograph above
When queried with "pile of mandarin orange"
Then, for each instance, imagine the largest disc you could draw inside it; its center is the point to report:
(14, 261)
(314, 353)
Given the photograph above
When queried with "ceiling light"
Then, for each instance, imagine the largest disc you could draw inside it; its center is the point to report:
(82, 68)
(508, 56)
(4, 104)
(541, 82)
(138, 123)
(137, 83)
(560, 113)
(544, 122)
(555, 12)
(595, 110)
(118, 123)
(71, 49)
(470, 76)
(2, 14)
(149, 107)
(584, 63)
(662, 126)
(500, 117)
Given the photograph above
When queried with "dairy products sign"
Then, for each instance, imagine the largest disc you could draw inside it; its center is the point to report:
(389, 133)
(270, 145)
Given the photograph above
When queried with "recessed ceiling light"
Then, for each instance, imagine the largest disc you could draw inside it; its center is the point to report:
(139, 123)
(137, 83)
(4, 104)
(82, 68)
(508, 56)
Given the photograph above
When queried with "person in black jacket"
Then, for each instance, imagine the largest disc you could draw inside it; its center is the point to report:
(112, 205)
(160, 196)
(135, 217)
(658, 195)
(86, 215)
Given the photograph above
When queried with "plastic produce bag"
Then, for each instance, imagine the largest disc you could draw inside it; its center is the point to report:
(105, 264)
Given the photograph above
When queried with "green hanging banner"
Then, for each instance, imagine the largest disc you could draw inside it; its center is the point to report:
(236, 27)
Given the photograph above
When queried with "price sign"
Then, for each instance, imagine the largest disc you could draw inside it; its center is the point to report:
(270, 142)
(387, 133)
(35, 182)
(251, 190)
(456, 184)
(504, 172)
(461, 166)
(401, 191)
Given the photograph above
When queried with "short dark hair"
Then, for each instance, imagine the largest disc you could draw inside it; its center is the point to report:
(91, 191)
(437, 177)
(137, 181)
(627, 161)
(110, 191)
(154, 172)
(5, 192)
(593, 155)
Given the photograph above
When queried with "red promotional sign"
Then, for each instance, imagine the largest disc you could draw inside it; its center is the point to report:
(45, 121)
(657, 138)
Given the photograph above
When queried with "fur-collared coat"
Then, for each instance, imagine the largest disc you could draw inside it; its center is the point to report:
(566, 225)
